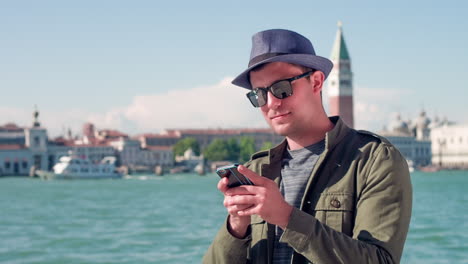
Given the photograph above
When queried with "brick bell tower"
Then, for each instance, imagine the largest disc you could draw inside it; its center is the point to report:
(340, 81)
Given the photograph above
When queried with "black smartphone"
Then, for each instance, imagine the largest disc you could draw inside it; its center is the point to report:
(234, 176)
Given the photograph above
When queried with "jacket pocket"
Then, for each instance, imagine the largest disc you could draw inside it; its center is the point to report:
(336, 210)
(259, 244)
(258, 226)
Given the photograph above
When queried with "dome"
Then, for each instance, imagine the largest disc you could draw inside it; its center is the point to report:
(422, 121)
(398, 125)
(436, 122)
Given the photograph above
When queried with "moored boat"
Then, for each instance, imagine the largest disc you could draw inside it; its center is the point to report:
(71, 167)
(430, 168)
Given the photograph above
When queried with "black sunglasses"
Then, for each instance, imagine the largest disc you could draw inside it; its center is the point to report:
(280, 89)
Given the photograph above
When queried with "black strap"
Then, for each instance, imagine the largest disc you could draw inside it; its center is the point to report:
(262, 57)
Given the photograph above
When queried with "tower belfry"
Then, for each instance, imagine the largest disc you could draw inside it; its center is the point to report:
(340, 81)
(36, 117)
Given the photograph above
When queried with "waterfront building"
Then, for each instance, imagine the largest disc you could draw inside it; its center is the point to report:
(153, 156)
(36, 142)
(14, 160)
(411, 138)
(22, 148)
(167, 138)
(190, 162)
(128, 150)
(132, 153)
(11, 134)
(93, 152)
(89, 132)
(93, 136)
(340, 81)
(450, 146)
(109, 135)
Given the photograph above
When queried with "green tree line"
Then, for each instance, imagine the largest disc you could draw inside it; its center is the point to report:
(221, 149)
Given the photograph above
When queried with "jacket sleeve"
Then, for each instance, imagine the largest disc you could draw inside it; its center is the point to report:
(383, 212)
(226, 248)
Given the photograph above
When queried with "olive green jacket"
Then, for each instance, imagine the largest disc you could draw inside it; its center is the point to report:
(356, 208)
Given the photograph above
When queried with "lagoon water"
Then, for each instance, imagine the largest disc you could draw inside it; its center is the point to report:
(172, 219)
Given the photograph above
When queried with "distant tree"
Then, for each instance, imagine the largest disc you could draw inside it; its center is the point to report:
(247, 148)
(217, 150)
(267, 145)
(233, 149)
(182, 145)
(230, 149)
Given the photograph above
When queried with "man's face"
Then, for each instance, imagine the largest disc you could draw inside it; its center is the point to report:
(291, 116)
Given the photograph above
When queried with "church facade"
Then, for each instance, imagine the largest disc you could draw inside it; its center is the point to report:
(23, 148)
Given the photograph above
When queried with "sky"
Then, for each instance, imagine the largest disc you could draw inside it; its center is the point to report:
(146, 66)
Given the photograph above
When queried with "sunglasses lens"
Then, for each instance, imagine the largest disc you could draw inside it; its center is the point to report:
(281, 89)
(257, 98)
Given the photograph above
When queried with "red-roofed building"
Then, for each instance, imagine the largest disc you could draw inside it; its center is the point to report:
(11, 134)
(94, 151)
(147, 140)
(109, 134)
(11, 127)
(12, 147)
(21, 148)
(15, 160)
(132, 154)
(153, 156)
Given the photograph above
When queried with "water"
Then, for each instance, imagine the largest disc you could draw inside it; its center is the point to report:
(439, 223)
(172, 219)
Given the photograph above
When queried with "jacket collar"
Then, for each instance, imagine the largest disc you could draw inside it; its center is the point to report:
(334, 136)
(275, 155)
(272, 170)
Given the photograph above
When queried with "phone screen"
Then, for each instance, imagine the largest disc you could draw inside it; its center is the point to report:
(234, 176)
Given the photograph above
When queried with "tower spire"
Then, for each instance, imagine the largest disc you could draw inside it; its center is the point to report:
(36, 117)
(340, 81)
(339, 51)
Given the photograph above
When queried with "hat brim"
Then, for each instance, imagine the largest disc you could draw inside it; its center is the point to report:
(307, 60)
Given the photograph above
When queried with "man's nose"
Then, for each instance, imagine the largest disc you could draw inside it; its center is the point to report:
(272, 101)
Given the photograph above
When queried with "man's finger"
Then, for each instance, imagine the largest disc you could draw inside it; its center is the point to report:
(240, 200)
(255, 178)
(222, 185)
(248, 211)
(240, 190)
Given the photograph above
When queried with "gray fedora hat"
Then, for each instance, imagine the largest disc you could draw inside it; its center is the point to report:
(282, 45)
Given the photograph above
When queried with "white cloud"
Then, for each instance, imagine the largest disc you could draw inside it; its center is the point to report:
(369, 116)
(220, 105)
(373, 107)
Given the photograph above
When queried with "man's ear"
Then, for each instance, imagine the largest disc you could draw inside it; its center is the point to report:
(317, 78)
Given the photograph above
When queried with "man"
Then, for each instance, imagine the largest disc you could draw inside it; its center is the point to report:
(328, 193)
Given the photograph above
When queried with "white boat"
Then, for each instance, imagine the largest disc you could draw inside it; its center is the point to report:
(71, 167)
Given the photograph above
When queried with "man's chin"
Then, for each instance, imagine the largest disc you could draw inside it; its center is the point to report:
(281, 130)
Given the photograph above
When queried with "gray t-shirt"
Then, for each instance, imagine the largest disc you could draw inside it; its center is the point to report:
(296, 167)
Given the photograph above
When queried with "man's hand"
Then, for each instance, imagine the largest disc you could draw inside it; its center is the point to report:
(237, 224)
(263, 199)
